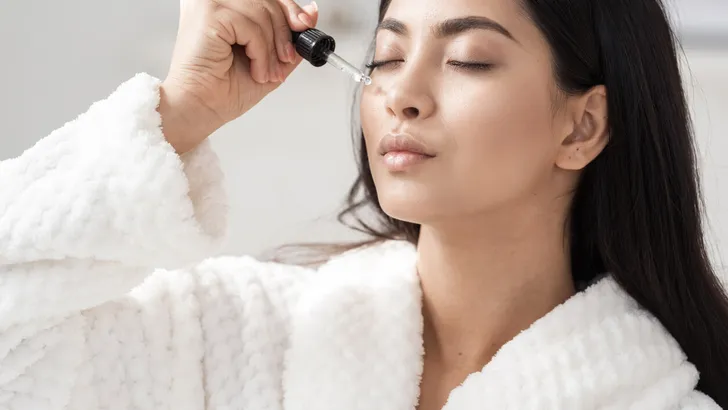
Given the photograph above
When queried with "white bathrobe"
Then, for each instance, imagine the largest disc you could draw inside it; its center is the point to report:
(104, 303)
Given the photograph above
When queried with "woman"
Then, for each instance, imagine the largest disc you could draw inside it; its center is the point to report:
(532, 167)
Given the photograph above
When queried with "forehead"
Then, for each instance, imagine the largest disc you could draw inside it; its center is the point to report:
(420, 16)
(429, 12)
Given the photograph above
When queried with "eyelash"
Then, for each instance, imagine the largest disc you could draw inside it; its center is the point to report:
(381, 63)
(457, 64)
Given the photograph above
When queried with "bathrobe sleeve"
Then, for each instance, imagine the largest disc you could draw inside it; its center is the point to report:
(103, 301)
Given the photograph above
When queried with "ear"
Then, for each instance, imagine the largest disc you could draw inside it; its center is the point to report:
(589, 132)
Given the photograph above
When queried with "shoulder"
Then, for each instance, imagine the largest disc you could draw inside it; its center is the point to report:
(224, 289)
(240, 277)
(251, 275)
(244, 289)
(381, 256)
(244, 279)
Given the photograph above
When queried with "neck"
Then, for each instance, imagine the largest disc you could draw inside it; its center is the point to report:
(485, 281)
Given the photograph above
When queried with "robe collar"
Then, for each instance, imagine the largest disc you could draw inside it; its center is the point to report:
(357, 344)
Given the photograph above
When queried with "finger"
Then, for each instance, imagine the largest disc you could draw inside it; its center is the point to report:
(289, 68)
(258, 12)
(274, 64)
(294, 12)
(281, 32)
(252, 36)
(281, 39)
(312, 12)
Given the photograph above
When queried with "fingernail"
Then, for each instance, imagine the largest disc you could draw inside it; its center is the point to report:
(305, 19)
(315, 5)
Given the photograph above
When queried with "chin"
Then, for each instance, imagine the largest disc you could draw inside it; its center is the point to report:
(407, 201)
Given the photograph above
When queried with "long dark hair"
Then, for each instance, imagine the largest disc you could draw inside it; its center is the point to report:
(637, 209)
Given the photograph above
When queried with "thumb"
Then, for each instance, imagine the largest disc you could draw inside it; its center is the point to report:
(299, 18)
(312, 12)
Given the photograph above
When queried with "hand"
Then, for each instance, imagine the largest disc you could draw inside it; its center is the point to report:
(229, 54)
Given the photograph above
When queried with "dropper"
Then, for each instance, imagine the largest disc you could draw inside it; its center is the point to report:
(317, 48)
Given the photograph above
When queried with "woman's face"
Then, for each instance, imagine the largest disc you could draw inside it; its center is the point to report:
(469, 83)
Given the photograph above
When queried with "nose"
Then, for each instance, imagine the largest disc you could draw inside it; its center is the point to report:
(409, 97)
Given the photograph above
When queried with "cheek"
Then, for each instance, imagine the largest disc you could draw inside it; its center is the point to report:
(502, 135)
(371, 121)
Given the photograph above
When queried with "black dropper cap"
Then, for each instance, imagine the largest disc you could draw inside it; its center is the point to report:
(313, 45)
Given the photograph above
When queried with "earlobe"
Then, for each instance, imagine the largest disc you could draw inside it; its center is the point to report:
(590, 131)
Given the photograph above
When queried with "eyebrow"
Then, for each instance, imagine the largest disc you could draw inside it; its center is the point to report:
(449, 28)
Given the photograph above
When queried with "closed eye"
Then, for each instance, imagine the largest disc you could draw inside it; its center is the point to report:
(383, 63)
(473, 66)
(464, 65)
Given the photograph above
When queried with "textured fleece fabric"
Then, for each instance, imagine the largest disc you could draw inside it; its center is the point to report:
(107, 301)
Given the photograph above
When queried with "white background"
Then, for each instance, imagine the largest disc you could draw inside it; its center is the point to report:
(702, 16)
(289, 161)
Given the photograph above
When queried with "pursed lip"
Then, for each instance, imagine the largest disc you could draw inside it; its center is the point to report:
(403, 143)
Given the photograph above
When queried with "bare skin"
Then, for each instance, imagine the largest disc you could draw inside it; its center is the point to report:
(492, 200)
(229, 54)
(505, 149)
